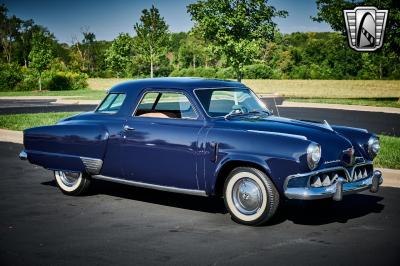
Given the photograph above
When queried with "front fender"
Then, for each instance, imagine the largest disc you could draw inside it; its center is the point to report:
(277, 155)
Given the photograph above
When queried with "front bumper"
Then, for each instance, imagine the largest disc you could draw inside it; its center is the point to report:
(336, 190)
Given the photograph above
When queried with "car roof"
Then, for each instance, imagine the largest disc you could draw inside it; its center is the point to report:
(174, 83)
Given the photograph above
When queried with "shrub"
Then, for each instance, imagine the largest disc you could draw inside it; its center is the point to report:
(66, 81)
(226, 73)
(10, 76)
(29, 82)
(257, 71)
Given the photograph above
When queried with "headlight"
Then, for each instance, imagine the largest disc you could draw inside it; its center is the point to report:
(313, 155)
(373, 146)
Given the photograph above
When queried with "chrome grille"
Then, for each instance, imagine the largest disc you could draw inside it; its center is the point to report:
(361, 172)
(326, 179)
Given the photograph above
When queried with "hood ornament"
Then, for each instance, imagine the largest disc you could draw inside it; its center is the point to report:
(326, 125)
(348, 156)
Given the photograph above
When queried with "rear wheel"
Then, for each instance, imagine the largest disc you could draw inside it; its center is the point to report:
(250, 196)
(72, 183)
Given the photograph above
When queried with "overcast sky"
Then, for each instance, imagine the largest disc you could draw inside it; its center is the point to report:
(108, 18)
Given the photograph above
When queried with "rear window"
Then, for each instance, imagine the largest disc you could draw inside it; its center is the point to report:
(112, 103)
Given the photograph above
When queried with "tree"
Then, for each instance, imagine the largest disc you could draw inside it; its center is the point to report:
(41, 54)
(152, 36)
(9, 30)
(119, 55)
(235, 27)
(88, 43)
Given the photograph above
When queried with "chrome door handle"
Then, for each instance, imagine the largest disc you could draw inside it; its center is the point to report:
(128, 128)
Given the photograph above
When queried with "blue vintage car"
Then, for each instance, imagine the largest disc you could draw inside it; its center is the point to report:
(209, 138)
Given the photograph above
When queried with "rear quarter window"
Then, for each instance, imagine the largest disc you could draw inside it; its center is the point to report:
(112, 103)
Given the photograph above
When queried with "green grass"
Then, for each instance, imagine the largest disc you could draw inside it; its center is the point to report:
(389, 157)
(381, 102)
(82, 94)
(23, 121)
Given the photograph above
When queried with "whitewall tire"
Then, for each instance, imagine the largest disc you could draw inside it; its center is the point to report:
(72, 183)
(250, 196)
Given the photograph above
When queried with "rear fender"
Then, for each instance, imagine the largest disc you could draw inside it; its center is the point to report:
(67, 147)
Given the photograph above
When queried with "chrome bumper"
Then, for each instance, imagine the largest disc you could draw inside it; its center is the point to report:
(23, 155)
(336, 190)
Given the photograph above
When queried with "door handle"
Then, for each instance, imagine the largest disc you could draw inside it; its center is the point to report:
(128, 128)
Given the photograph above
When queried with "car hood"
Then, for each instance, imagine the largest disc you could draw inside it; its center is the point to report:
(333, 144)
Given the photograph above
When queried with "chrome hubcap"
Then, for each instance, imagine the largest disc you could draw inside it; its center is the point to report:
(247, 196)
(69, 178)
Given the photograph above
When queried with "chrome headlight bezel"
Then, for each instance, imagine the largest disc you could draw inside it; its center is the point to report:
(313, 155)
(374, 146)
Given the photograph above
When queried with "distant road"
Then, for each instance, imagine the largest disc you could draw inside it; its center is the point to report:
(373, 121)
(378, 122)
(39, 106)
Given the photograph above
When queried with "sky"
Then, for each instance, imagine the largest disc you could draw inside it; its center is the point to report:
(66, 18)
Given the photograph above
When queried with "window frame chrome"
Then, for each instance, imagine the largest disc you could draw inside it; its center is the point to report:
(169, 90)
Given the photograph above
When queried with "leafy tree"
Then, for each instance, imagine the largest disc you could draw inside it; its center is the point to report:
(88, 43)
(119, 55)
(41, 54)
(9, 29)
(152, 36)
(25, 39)
(235, 27)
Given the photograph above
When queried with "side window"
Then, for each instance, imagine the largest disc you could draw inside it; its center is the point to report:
(148, 101)
(165, 105)
(112, 103)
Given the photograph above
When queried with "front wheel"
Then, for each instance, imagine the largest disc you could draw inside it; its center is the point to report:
(72, 183)
(250, 196)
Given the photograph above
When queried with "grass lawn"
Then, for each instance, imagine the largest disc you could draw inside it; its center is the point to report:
(389, 156)
(328, 88)
(382, 102)
(87, 94)
(23, 121)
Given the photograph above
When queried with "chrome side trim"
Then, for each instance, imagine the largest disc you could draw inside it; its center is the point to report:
(152, 186)
(92, 165)
(278, 133)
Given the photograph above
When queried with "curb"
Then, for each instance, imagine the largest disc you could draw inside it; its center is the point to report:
(76, 102)
(391, 176)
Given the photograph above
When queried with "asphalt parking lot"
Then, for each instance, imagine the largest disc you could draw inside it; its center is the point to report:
(119, 224)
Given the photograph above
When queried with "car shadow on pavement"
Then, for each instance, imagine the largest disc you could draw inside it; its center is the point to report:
(299, 212)
(327, 211)
(196, 203)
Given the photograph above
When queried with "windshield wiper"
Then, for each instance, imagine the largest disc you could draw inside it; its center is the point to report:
(239, 112)
(234, 112)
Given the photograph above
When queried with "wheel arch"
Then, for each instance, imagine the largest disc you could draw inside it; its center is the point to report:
(225, 168)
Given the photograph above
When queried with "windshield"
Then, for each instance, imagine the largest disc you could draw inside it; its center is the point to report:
(223, 102)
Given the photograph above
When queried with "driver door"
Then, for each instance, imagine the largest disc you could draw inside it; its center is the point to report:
(161, 141)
